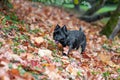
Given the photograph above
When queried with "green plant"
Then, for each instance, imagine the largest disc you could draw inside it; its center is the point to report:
(106, 74)
(10, 65)
(94, 73)
(21, 70)
(23, 37)
(8, 29)
(79, 73)
(16, 43)
(7, 3)
(21, 51)
(57, 60)
(4, 21)
(1, 44)
(16, 38)
(34, 31)
(15, 50)
(12, 17)
(55, 2)
(118, 70)
(13, 27)
(18, 51)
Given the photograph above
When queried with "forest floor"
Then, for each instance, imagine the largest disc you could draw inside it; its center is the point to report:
(28, 51)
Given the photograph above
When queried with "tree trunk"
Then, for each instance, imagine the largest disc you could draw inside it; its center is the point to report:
(96, 17)
(95, 7)
(115, 31)
(107, 30)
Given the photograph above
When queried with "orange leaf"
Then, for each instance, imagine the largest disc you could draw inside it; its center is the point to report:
(51, 67)
(14, 72)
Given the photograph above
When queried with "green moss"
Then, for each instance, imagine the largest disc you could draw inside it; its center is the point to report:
(107, 30)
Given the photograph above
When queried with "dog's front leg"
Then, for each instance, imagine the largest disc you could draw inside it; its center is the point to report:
(70, 48)
(66, 51)
(63, 53)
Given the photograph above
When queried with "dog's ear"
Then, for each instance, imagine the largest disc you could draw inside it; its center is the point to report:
(64, 28)
(57, 27)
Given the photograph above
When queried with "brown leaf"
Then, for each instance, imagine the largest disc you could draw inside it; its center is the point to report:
(116, 59)
(28, 76)
(2, 65)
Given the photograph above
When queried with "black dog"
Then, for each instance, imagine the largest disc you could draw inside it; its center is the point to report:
(74, 39)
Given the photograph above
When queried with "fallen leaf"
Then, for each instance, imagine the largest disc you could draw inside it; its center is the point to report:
(116, 59)
(72, 70)
(37, 40)
(14, 72)
(45, 52)
(51, 67)
(5, 77)
(107, 59)
(34, 62)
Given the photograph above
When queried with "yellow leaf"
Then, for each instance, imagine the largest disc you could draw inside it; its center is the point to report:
(51, 67)
(107, 59)
(38, 40)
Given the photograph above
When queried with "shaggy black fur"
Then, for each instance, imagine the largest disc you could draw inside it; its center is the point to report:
(74, 38)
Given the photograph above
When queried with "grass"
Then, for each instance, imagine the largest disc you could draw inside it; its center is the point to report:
(104, 9)
(107, 8)
(68, 5)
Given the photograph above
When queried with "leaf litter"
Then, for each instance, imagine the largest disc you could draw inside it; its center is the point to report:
(28, 51)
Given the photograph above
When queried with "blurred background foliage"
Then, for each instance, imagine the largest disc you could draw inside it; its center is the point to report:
(88, 10)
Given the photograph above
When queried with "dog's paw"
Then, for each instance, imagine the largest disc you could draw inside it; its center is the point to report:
(83, 52)
(65, 51)
(64, 54)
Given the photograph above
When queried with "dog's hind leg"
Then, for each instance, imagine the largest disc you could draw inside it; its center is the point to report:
(83, 45)
(83, 48)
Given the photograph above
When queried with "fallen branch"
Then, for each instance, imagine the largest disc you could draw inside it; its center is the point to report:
(96, 17)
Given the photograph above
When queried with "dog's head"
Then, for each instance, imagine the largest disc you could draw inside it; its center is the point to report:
(60, 34)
